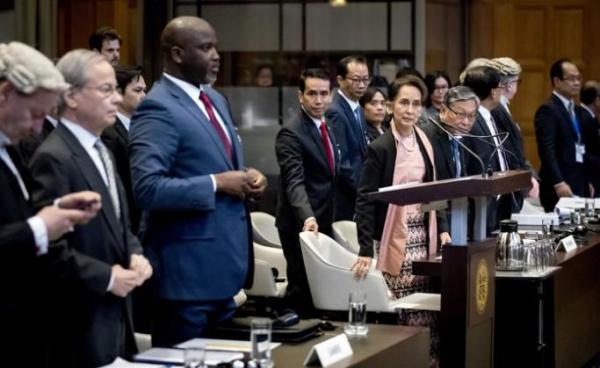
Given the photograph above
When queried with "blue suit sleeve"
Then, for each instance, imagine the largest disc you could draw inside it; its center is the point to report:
(153, 148)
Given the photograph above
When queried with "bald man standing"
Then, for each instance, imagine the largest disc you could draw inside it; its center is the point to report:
(188, 174)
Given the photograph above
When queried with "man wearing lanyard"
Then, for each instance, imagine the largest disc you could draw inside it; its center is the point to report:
(561, 144)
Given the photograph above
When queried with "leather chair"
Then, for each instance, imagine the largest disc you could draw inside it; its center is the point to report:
(264, 230)
(331, 281)
(344, 232)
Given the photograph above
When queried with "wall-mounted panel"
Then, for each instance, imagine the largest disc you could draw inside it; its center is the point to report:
(402, 26)
(356, 26)
(292, 30)
(568, 30)
(530, 31)
(252, 27)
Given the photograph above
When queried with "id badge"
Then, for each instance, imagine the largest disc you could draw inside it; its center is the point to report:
(579, 152)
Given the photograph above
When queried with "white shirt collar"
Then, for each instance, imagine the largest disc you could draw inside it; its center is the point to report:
(588, 110)
(563, 99)
(84, 136)
(484, 112)
(52, 120)
(125, 120)
(189, 89)
(353, 104)
(4, 140)
(317, 122)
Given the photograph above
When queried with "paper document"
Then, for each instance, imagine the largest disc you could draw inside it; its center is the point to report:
(222, 345)
(122, 363)
(175, 356)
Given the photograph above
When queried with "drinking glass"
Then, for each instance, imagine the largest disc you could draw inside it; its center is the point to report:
(193, 357)
(260, 336)
(357, 314)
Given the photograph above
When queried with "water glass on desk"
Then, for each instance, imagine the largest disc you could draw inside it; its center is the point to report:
(357, 314)
(193, 357)
(260, 336)
(590, 210)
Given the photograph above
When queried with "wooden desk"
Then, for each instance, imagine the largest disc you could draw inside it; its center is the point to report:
(384, 346)
(552, 320)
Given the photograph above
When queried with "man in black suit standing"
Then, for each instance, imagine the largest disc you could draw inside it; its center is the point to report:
(347, 122)
(560, 139)
(132, 88)
(92, 316)
(308, 162)
(29, 88)
(485, 82)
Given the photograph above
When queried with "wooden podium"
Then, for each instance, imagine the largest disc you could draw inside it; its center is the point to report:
(457, 190)
(468, 270)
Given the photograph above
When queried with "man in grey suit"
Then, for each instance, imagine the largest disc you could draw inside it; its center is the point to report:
(92, 322)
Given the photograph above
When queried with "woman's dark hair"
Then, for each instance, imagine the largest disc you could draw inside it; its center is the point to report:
(430, 83)
(369, 94)
(408, 80)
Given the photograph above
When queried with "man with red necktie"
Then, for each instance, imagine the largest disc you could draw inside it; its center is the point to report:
(188, 174)
(308, 161)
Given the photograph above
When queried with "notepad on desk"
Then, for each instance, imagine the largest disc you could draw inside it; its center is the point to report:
(242, 346)
(175, 356)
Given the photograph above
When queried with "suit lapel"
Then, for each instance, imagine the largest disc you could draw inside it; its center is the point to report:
(197, 115)
(357, 134)
(93, 179)
(444, 143)
(312, 131)
(225, 114)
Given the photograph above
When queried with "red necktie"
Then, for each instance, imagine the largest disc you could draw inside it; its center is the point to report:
(215, 123)
(327, 145)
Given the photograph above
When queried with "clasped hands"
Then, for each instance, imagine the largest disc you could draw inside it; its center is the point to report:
(125, 280)
(249, 183)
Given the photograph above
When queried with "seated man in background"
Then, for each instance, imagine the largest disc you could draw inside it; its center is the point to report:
(106, 40)
(29, 88)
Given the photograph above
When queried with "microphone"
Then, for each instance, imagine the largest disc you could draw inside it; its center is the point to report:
(484, 173)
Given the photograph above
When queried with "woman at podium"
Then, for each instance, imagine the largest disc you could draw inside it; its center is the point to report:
(400, 234)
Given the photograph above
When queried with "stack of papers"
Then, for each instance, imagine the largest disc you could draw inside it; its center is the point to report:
(175, 356)
(242, 346)
(122, 363)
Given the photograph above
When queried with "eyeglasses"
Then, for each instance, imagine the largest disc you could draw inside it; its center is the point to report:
(357, 81)
(463, 115)
(406, 103)
(106, 90)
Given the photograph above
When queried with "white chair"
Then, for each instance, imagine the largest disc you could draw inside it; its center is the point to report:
(265, 259)
(264, 230)
(344, 232)
(331, 281)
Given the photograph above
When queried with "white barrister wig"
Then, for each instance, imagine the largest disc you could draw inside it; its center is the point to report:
(28, 69)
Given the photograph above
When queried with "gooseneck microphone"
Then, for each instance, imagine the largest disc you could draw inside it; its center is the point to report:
(484, 172)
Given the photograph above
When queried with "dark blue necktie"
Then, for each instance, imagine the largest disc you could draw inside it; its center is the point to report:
(456, 157)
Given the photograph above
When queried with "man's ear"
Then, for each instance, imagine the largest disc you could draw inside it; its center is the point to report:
(176, 53)
(69, 97)
(5, 89)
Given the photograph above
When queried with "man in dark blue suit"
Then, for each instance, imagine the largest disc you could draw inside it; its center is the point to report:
(561, 143)
(308, 162)
(188, 174)
(347, 122)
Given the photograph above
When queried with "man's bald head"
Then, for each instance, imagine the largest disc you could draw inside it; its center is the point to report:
(189, 47)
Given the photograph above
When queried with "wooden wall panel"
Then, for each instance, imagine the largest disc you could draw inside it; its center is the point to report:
(536, 33)
(77, 19)
(445, 40)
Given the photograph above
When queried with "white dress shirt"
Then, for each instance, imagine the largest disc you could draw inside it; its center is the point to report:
(125, 120)
(487, 117)
(87, 140)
